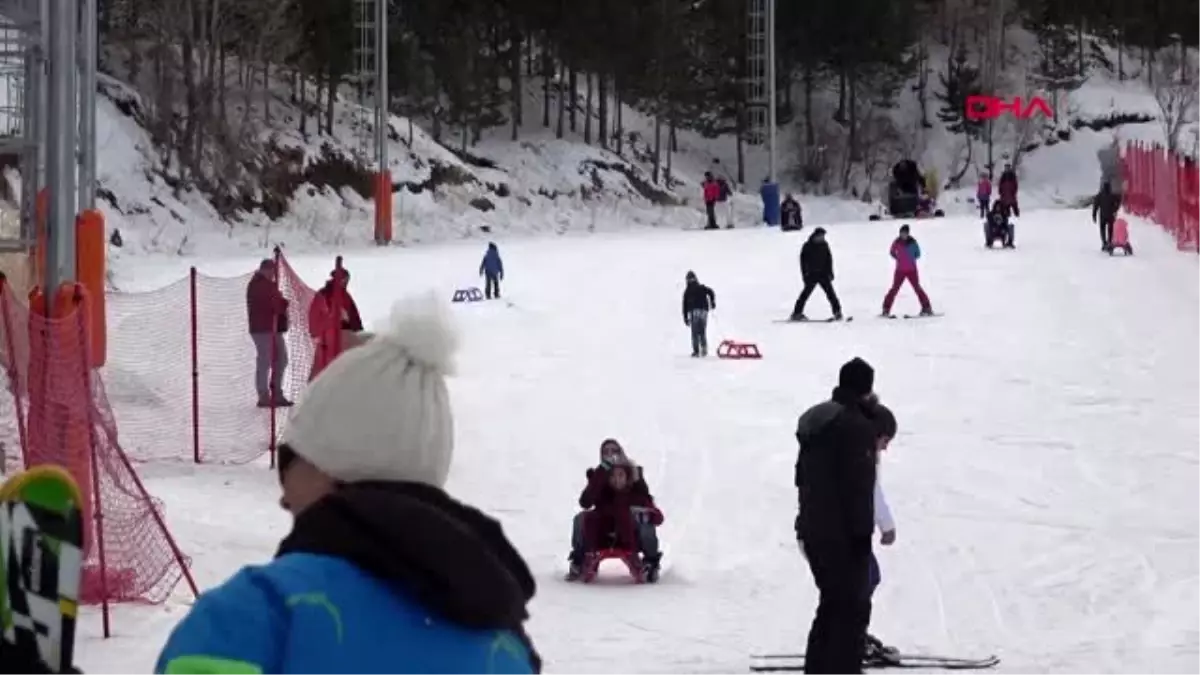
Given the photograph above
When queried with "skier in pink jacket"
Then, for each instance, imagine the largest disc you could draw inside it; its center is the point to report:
(906, 251)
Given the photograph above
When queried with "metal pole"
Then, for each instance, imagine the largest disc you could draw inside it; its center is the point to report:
(87, 106)
(31, 156)
(771, 155)
(60, 153)
(382, 95)
(43, 99)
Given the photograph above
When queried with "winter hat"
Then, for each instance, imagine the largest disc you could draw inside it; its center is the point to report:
(819, 230)
(381, 411)
(690, 276)
(856, 377)
(339, 270)
(885, 421)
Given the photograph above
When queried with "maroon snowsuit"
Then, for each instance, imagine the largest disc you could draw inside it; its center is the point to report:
(610, 510)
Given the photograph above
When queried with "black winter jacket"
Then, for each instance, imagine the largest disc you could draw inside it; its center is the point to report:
(835, 472)
(1105, 205)
(697, 296)
(816, 261)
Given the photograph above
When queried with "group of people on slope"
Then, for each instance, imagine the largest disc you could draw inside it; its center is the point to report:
(841, 503)
(997, 216)
(334, 325)
(334, 322)
(816, 270)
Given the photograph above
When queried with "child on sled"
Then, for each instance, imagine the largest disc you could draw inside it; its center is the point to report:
(620, 513)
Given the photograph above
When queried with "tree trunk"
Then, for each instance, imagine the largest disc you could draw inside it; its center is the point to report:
(562, 104)
(572, 92)
(330, 99)
(618, 131)
(602, 94)
(810, 130)
(839, 115)
(657, 147)
(547, 72)
(303, 107)
(515, 44)
(587, 111)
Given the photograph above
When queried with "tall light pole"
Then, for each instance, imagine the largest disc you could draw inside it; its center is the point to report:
(771, 103)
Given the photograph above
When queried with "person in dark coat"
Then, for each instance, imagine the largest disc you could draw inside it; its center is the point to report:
(816, 269)
(492, 271)
(698, 301)
(266, 314)
(1008, 189)
(1104, 212)
(835, 479)
(791, 218)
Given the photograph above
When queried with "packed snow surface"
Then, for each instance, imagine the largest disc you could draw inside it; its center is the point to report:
(1044, 478)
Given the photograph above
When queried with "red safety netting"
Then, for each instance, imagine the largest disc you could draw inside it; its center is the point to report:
(62, 416)
(1164, 187)
(181, 366)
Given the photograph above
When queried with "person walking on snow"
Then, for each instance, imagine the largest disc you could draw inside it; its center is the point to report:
(906, 252)
(698, 301)
(835, 482)
(1104, 212)
(816, 269)
(1008, 189)
(492, 271)
(382, 571)
(983, 194)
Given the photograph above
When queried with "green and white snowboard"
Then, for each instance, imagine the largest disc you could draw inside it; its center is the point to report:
(41, 563)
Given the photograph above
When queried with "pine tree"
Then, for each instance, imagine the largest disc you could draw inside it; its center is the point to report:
(959, 82)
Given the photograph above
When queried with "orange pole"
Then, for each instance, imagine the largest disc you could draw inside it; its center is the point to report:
(90, 262)
(383, 207)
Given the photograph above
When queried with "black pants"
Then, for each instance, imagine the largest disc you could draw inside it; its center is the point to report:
(711, 209)
(837, 639)
(491, 286)
(826, 287)
(1106, 228)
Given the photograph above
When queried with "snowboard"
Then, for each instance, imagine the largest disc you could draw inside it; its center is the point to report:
(41, 562)
(784, 663)
(845, 319)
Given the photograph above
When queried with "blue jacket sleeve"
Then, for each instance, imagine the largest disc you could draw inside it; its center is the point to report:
(916, 250)
(235, 629)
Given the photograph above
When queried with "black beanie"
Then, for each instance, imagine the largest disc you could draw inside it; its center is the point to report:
(856, 377)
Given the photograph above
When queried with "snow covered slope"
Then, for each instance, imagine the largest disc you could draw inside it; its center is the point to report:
(1044, 478)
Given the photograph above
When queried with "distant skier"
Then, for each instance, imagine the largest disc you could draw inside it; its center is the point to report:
(492, 271)
(983, 194)
(1104, 212)
(816, 269)
(906, 252)
(1008, 189)
(835, 480)
(791, 218)
(698, 301)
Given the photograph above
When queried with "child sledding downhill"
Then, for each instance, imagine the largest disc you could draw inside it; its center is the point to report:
(619, 519)
(906, 252)
(998, 226)
(492, 270)
(698, 301)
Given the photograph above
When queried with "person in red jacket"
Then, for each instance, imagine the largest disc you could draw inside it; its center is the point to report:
(712, 195)
(266, 315)
(332, 314)
(619, 513)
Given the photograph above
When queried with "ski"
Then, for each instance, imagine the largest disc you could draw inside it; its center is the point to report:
(923, 316)
(845, 319)
(41, 562)
(784, 663)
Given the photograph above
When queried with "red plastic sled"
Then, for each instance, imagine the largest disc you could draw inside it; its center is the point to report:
(591, 564)
(730, 349)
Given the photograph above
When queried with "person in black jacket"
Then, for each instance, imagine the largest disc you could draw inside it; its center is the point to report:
(1104, 212)
(816, 268)
(835, 478)
(698, 300)
(791, 218)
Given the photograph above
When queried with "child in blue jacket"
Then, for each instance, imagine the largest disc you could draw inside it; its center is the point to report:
(383, 572)
(492, 270)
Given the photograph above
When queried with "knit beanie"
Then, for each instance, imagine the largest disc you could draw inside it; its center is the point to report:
(856, 377)
(381, 411)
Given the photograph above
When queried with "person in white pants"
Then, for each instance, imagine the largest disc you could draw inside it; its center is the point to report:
(885, 421)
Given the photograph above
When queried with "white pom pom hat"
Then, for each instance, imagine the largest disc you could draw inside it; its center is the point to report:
(381, 411)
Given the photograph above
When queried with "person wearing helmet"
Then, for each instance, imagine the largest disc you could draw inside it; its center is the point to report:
(698, 301)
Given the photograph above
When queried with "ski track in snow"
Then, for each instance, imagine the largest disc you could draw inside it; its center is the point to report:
(1043, 481)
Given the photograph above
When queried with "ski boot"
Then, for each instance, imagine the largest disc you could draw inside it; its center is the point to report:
(879, 655)
(798, 317)
(926, 311)
(837, 316)
(651, 566)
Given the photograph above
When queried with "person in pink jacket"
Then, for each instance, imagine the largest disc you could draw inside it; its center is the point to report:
(983, 194)
(906, 251)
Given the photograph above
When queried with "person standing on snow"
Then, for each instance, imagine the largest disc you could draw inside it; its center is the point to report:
(492, 271)
(876, 653)
(333, 319)
(382, 572)
(835, 481)
(983, 194)
(816, 269)
(1008, 189)
(712, 195)
(791, 217)
(698, 301)
(266, 314)
(906, 252)
(1104, 212)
